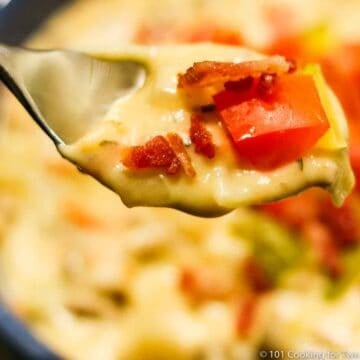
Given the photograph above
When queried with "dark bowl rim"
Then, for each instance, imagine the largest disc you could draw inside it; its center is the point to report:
(18, 19)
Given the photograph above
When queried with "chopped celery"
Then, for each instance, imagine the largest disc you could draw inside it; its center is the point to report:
(276, 249)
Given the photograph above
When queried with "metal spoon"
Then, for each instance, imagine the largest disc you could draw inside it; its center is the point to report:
(66, 91)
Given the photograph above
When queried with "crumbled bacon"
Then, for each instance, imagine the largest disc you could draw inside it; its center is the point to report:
(168, 153)
(240, 85)
(156, 153)
(179, 149)
(201, 137)
(208, 73)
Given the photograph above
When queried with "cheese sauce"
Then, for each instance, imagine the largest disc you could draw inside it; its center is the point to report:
(220, 184)
(94, 280)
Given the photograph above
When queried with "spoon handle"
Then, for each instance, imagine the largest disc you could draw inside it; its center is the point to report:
(6, 65)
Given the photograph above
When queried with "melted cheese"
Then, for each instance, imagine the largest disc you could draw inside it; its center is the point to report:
(52, 263)
(221, 184)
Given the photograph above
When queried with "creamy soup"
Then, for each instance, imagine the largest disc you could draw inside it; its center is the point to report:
(213, 184)
(94, 280)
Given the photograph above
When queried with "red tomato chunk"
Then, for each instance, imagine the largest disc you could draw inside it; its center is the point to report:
(275, 121)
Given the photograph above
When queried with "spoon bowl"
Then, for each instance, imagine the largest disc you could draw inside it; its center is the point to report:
(65, 92)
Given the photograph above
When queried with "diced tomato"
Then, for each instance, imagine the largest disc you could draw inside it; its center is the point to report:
(324, 247)
(342, 222)
(270, 132)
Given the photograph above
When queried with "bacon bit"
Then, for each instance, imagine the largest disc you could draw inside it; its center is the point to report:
(246, 314)
(208, 73)
(324, 247)
(255, 276)
(241, 85)
(167, 153)
(179, 149)
(201, 137)
(156, 153)
(81, 217)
